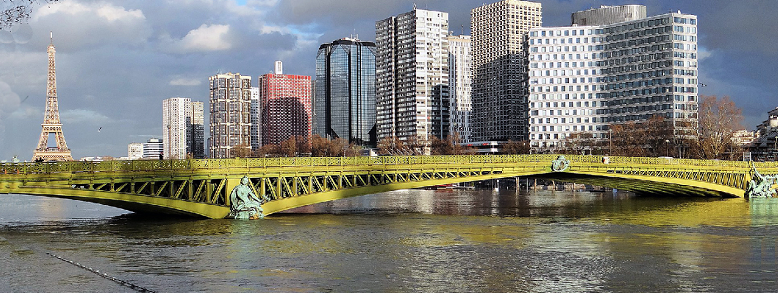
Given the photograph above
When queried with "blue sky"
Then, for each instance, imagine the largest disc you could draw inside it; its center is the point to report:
(117, 60)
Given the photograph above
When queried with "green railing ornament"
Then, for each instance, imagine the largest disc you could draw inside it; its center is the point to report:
(560, 164)
(760, 185)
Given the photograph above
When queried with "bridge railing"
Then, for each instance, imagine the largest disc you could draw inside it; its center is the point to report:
(241, 163)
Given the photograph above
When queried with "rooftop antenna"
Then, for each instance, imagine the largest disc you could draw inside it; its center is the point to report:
(461, 29)
(51, 37)
(414, 6)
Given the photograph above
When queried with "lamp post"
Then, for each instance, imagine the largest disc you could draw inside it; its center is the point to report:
(667, 147)
(610, 141)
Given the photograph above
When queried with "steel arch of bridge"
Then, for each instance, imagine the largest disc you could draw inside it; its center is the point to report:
(202, 187)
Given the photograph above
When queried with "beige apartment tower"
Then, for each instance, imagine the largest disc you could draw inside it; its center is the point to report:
(500, 74)
(229, 115)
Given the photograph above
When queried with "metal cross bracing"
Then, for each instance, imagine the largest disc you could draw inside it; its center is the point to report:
(202, 187)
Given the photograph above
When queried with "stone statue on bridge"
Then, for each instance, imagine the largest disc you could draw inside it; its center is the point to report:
(560, 164)
(244, 203)
(760, 185)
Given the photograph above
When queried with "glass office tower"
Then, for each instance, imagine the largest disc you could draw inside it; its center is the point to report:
(345, 91)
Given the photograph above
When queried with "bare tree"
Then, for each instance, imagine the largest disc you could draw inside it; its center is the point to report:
(416, 147)
(18, 11)
(577, 143)
(449, 146)
(516, 147)
(719, 119)
(658, 134)
(628, 139)
(287, 147)
(241, 151)
(391, 145)
(302, 146)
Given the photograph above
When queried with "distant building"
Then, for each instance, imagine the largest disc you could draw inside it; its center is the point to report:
(608, 15)
(229, 114)
(583, 79)
(764, 148)
(153, 148)
(440, 111)
(345, 103)
(460, 66)
(285, 106)
(256, 140)
(744, 138)
(411, 59)
(183, 128)
(499, 32)
(198, 138)
(135, 151)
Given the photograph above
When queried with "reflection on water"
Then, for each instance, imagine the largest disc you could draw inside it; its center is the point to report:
(404, 241)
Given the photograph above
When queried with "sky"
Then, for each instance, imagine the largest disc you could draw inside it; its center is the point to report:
(117, 60)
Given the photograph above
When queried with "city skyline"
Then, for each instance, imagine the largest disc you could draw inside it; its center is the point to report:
(117, 61)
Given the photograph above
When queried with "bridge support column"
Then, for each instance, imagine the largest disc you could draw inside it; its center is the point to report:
(231, 183)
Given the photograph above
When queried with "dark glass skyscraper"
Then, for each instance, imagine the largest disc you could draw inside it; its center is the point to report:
(345, 91)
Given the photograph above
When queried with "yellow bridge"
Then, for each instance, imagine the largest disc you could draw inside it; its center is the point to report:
(202, 187)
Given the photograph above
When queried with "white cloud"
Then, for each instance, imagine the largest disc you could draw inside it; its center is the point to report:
(83, 116)
(9, 100)
(207, 38)
(703, 53)
(185, 81)
(77, 24)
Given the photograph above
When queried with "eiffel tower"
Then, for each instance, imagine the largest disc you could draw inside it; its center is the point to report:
(51, 120)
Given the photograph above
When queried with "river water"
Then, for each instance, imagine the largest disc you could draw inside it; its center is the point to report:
(401, 241)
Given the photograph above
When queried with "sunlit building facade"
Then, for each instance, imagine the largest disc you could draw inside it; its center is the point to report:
(229, 114)
(585, 78)
(411, 59)
(182, 128)
(285, 106)
(500, 80)
(460, 66)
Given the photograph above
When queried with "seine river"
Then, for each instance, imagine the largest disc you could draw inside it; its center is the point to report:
(401, 241)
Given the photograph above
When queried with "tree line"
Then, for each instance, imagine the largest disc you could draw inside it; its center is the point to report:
(713, 138)
(710, 137)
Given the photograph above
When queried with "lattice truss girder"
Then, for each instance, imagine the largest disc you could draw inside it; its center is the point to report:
(272, 186)
(726, 178)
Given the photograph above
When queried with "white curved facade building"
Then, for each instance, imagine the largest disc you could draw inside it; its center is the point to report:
(586, 78)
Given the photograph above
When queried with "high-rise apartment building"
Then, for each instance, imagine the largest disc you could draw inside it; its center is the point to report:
(198, 139)
(229, 111)
(500, 79)
(285, 106)
(460, 65)
(345, 104)
(586, 78)
(256, 140)
(411, 59)
(182, 128)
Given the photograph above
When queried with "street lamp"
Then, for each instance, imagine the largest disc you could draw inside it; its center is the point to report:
(667, 147)
(610, 141)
